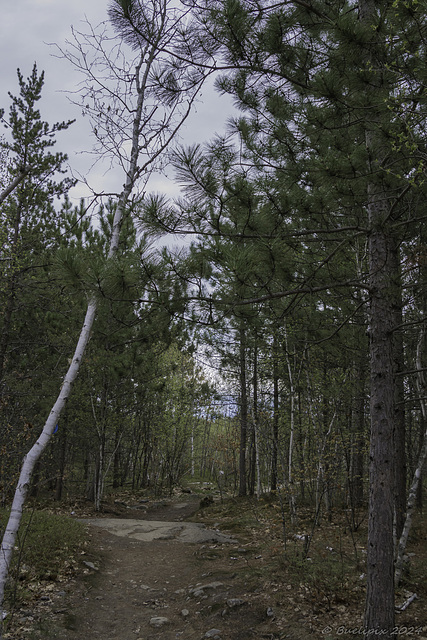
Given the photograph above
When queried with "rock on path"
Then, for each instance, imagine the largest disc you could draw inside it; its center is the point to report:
(149, 530)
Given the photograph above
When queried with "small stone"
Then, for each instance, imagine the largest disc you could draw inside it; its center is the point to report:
(90, 565)
(235, 602)
(211, 585)
(213, 633)
(159, 621)
(185, 613)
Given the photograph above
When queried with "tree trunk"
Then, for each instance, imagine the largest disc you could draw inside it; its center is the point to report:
(253, 449)
(410, 506)
(31, 458)
(399, 400)
(292, 394)
(412, 497)
(379, 613)
(379, 608)
(255, 425)
(358, 455)
(274, 449)
(117, 475)
(243, 413)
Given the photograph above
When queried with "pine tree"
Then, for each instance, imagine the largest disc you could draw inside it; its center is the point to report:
(333, 125)
(29, 212)
(30, 323)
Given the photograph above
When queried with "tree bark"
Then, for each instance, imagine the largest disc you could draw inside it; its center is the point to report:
(243, 414)
(400, 467)
(379, 612)
(412, 497)
(358, 455)
(275, 439)
(292, 395)
(254, 466)
(40, 445)
(379, 607)
(37, 449)
(410, 506)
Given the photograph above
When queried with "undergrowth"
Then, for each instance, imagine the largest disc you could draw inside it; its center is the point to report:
(319, 565)
(45, 549)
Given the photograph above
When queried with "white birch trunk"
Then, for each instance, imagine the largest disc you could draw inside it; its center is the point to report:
(410, 505)
(40, 445)
(140, 127)
(37, 449)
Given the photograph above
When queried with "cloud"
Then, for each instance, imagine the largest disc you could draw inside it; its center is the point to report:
(26, 28)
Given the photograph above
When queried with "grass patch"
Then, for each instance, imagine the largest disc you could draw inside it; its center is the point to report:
(45, 549)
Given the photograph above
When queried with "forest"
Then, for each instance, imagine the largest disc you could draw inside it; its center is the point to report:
(265, 331)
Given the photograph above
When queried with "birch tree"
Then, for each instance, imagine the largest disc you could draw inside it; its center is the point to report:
(412, 495)
(137, 95)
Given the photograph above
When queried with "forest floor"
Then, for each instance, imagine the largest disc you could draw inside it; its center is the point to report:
(126, 588)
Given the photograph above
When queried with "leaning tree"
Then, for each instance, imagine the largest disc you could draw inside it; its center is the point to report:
(138, 89)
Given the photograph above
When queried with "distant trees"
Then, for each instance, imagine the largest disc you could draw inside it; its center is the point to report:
(331, 144)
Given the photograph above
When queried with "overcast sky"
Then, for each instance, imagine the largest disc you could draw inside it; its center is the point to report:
(26, 28)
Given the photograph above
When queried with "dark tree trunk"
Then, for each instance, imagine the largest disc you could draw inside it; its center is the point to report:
(379, 612)
(400, 464)
(243, 414)
(62, 459)
(253, 470)
(419, 495)
(274, 451)
(117, 477)
(358, 462)
(379, 608)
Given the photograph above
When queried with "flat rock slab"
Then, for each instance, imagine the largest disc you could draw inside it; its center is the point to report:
(149, 530)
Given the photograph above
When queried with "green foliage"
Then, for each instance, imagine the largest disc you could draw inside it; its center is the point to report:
(34, 307)
(29, 144)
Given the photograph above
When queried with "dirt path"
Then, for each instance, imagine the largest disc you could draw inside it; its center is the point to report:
(163, 588)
